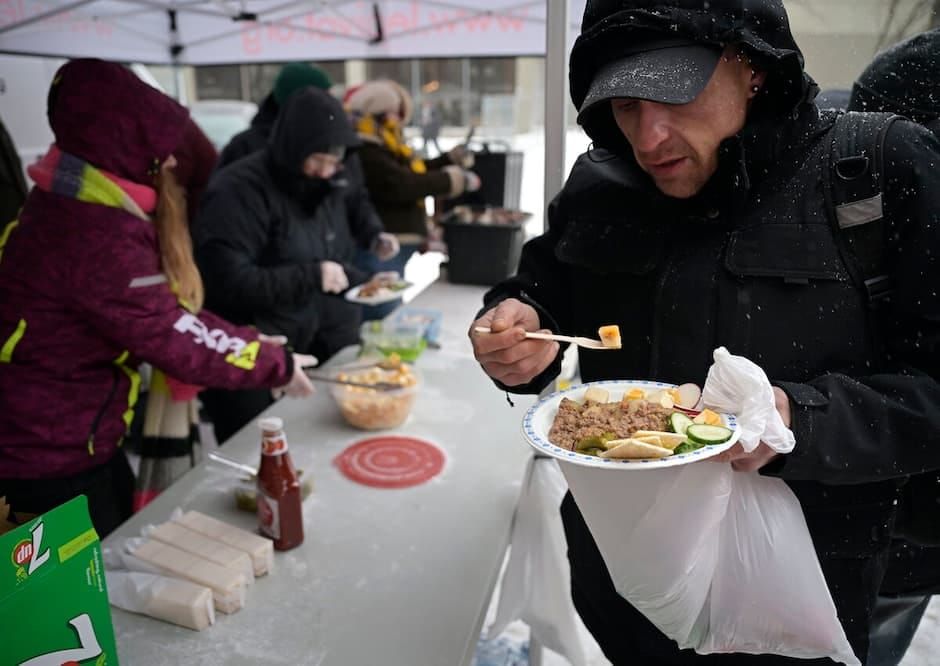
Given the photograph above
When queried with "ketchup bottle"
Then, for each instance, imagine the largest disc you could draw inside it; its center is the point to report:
(279, 510)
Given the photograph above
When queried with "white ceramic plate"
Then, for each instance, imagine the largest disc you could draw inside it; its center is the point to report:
(382, 297)
(538, 421)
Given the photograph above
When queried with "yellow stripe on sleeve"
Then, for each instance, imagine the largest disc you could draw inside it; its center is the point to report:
(6, 352)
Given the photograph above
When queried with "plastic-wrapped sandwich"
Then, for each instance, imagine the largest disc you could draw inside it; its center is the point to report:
(260, 550)
(205, 547)
(227, 585)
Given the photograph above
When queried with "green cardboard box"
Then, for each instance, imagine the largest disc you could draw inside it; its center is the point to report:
(53, 601)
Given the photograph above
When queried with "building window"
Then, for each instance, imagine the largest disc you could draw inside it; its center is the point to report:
(218, 82)
(251, 82)
(396, 70)
(492, 91)
(442, 86)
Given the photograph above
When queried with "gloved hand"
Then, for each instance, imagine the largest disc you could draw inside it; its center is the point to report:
(461, 156)
(299, 385)
(472, 181)
(332, 277)
(385, 246)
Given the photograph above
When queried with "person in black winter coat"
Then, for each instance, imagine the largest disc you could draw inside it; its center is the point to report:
(275, 242)
(700, 221)
(292, 78)
(903, 80)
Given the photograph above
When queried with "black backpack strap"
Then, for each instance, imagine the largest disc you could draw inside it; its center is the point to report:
(854, 190)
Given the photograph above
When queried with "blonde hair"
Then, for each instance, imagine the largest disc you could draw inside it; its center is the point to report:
(176, 245)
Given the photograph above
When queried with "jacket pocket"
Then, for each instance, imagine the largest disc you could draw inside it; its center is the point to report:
(796, 254)
(794, 309)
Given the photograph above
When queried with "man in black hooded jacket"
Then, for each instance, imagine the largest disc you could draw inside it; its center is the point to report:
(275, 243)
(700, 220)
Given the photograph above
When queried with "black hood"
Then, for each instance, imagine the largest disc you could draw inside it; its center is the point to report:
(611, 27)
(266, 116)
(312, 121)
(905, 79)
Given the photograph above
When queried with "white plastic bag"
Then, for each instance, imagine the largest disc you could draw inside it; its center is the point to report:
(536, 586)
(719, 561)
(738, 386)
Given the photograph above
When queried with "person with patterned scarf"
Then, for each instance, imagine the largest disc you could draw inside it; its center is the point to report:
(398, 181)
(97, 277)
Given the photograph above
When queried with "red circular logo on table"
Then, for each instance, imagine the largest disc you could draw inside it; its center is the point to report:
(391, 461)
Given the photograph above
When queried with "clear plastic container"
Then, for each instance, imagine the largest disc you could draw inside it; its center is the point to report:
(390, 337)
(370, 409)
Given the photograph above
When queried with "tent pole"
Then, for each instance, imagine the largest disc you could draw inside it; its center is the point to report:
(556, 102)
(179, 89)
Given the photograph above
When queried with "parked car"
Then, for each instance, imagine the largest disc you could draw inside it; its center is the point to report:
(221, 119)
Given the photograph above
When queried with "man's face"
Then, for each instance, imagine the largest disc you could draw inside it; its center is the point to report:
(677, 144)
(322, 165)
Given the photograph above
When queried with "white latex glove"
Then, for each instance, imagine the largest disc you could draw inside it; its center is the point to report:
(472, 181)
(385, 246)
(332, 277)
(277, 340)
(299, 385)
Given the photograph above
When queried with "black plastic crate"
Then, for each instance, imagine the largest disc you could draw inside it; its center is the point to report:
(482, 253)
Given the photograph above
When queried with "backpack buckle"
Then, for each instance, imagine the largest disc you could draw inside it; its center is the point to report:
(879, 289)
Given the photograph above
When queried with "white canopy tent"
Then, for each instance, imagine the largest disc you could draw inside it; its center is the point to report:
(203, 32)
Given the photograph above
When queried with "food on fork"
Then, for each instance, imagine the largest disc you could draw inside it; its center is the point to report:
(610, 336)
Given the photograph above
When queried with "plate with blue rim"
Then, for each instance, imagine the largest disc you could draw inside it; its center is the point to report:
(539, 418)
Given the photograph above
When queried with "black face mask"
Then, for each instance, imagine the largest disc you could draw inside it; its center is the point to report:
(312, 191)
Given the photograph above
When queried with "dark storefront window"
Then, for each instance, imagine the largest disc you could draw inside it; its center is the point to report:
(219, 82)
(251, 82)
(396, 70)
(492, 90)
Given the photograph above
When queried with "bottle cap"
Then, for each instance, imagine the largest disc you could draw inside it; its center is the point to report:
(271, 424)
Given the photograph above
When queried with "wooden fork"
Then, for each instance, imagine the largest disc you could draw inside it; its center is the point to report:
(587, 343)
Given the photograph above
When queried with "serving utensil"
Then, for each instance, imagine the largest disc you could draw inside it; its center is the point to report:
(587, 343)
(378, 386)
(234, 464)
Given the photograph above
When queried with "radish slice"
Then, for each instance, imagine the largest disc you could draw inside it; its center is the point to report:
(689, 396)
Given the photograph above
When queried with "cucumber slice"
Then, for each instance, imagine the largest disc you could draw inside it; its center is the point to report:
(708, 434)
(687, 446)
(679, 422)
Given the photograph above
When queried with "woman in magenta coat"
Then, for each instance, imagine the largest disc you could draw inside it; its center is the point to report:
(97, 276)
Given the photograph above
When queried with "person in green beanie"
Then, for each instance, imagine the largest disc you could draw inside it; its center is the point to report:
(292, 77)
